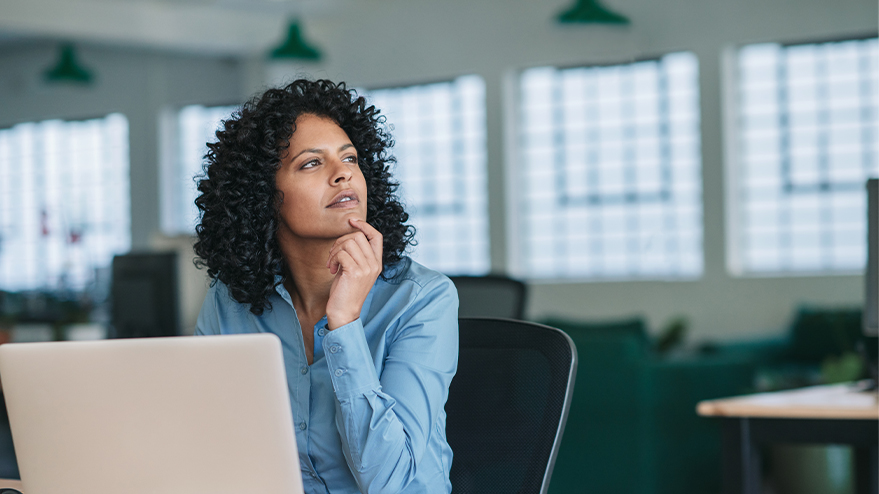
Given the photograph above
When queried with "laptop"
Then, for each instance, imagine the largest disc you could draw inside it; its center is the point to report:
(187, 415)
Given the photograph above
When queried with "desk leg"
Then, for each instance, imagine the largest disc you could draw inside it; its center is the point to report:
(866, 470)
(741, 458)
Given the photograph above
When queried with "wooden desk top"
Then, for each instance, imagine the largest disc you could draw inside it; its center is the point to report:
(837, 401)
(10, 484)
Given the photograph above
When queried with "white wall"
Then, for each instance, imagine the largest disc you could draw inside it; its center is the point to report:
(399, 42)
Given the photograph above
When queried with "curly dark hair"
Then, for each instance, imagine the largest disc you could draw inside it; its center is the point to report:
(239, 202)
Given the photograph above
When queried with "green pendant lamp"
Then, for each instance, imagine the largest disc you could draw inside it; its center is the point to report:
(294, 47)
(68, 69)
(591, 12)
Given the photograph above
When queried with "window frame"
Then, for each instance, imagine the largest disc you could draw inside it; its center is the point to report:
(732, 162)
(170, 141)
(515, 160)
(95, 286)
(368, 91)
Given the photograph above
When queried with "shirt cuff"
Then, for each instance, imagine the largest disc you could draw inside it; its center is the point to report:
(350, 361)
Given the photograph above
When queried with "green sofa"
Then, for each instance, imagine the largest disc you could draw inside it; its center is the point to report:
(633, 427)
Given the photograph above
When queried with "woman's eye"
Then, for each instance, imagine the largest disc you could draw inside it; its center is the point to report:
(351, 159)
(310, 164)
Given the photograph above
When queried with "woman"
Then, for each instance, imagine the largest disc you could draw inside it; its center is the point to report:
(303, 237)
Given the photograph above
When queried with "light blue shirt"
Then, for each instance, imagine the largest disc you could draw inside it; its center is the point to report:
(369, 413)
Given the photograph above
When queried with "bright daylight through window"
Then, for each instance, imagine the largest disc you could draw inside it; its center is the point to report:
(808, 135)
(64, 202)
(439, 131)
(187, 133)
(609, 171)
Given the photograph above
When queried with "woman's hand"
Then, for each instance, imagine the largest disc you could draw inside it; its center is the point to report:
(356, 260)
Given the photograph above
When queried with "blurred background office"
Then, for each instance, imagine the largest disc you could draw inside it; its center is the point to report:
(686, 176)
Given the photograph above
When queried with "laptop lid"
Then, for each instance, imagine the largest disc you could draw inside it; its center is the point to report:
(206, 414)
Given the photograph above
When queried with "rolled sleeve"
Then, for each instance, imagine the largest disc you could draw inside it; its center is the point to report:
(350, 361)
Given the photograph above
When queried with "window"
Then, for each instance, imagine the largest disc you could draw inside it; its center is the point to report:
(64, 202)
(439, 134)
(187, 133)
(807, 142)
(610, 171)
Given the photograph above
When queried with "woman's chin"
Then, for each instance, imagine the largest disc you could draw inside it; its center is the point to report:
(345, 224)
(354, 214)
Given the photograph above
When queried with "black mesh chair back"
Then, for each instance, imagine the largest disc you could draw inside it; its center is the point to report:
(490, 296)
(508, 405)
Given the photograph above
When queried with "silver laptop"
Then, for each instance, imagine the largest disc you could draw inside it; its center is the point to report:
(188, 415)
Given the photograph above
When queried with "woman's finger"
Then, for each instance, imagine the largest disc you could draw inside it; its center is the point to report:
(358, 257)
(342, 261)
(366, 248)
(376, 241)
(348, 291)
(337, 245)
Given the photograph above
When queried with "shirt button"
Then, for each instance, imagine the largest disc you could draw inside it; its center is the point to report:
(304, 370)
(302, 426)
(335, 349)
(339, 372)
(321, 332)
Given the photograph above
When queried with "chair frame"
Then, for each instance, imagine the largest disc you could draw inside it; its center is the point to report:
(571, 377)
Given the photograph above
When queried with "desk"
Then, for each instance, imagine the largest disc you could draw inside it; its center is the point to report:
(834, 414)
(10, 484)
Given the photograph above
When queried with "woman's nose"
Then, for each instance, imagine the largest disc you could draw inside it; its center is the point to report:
(341, 172)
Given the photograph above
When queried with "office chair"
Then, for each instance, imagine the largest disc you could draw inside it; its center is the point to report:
(490, 296)
(144, 295)
(508, 405)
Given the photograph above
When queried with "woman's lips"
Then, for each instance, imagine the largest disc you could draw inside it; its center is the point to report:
(345, 200)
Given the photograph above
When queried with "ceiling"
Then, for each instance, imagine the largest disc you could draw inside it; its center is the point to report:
(222, 27)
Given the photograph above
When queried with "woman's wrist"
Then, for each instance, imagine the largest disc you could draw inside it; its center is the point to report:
(337, 321)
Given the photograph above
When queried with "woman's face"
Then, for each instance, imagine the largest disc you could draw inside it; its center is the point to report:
(321, 182)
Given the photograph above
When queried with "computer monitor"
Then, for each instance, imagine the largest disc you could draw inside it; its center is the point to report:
(143, 293)
(871, 278)
(870, 345)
